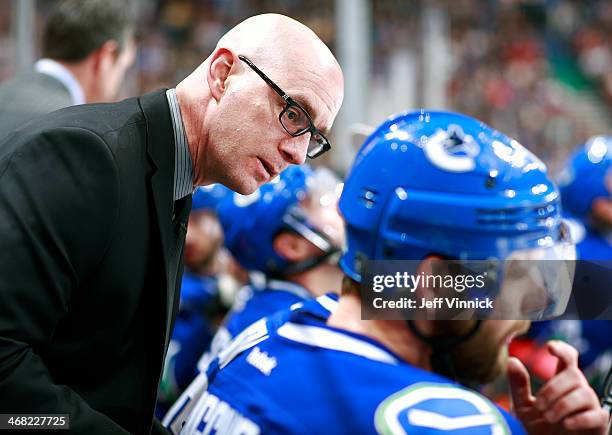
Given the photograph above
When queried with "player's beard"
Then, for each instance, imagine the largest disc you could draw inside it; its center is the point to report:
(483, 358)
(480, 363)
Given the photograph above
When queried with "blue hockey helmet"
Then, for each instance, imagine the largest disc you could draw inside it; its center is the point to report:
(442, 183)
(584, 177)
(209, 197)
(251, 222)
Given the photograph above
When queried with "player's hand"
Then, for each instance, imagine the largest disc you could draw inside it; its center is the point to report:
(566, 404)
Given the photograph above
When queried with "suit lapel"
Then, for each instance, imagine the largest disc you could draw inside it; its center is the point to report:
(160, 147)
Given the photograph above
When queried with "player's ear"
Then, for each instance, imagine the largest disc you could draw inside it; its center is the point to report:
(219, 69)
(291, 247)
(426, 290)
(602, 210)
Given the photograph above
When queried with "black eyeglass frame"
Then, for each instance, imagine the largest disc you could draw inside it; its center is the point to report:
(326, 146)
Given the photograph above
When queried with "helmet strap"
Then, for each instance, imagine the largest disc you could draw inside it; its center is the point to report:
(442, 347)
(307, 264)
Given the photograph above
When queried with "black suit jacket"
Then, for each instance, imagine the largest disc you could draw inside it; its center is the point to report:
(90, 263)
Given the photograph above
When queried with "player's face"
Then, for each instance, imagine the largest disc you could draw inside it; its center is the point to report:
(484, 357)
(249, 146)
(203, 240)
(602, 207)
(323, 214)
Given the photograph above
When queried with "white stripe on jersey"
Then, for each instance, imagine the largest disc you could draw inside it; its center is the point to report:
(328, 339)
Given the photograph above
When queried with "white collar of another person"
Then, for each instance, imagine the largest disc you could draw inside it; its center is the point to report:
(64, 76)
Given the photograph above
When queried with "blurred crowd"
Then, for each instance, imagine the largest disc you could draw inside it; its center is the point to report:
(510, 59)
(515, 64)
(525, 67)
(512, 71)
(587, 32)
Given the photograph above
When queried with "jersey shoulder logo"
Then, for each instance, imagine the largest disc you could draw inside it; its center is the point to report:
(261, 361)
(251, 336)
(438, 408)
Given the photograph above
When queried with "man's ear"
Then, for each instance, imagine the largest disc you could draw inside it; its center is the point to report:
(220, 67)
(105, 56)
(291, 247)
(427, 267)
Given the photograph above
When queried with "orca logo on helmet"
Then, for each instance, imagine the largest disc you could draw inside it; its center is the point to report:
(452, 150)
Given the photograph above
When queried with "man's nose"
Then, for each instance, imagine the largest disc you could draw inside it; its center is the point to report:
(294, 149)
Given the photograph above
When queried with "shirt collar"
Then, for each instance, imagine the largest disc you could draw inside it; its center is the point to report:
(327, 338)
(259, 281)
(64, 76)
(183, 166)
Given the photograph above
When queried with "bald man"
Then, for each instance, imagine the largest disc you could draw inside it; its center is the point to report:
(94, 203)
(232, 104)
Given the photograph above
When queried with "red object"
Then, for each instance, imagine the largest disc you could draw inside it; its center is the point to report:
(536, 357)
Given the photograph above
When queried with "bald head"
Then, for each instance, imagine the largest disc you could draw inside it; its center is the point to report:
(278, 42)
(231, 114)
(268, 34)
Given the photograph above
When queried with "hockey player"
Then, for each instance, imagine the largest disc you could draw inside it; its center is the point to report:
(586, 194)
(288, 233)
(423, 187)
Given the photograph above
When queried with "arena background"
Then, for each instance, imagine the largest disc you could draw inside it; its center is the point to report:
(540, 70)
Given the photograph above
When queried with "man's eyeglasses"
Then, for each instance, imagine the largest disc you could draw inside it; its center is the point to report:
(294, 119)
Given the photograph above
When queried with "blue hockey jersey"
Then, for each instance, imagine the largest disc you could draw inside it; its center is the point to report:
(256, 301)
(293, 374)
(317, 309)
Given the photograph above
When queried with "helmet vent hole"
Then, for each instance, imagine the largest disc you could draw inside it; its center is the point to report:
(368, 197)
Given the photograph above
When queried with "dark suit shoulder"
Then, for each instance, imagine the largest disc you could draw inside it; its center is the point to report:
(38, 138)
(98, 118)
(62, 179)
(101, 120)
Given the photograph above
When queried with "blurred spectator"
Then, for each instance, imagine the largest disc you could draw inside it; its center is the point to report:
(502, 75)
(512, 60)
(88, 47)
(586, 30)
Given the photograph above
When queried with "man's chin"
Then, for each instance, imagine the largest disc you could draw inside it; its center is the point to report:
(244, 186)
(248, 189)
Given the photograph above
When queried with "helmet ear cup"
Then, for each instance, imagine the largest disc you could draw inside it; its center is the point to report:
(209, 197)
(443, 183)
